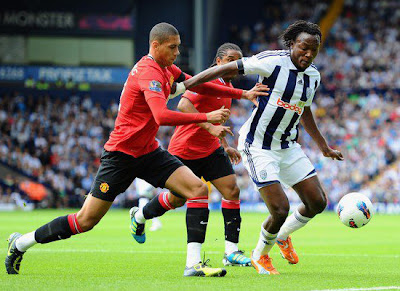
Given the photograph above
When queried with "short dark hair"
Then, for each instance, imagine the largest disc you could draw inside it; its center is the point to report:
(291, 33)
(223, 50)
(162, 31)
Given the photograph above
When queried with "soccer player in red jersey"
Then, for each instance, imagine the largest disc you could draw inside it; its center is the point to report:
(198, 146)
(132, 150)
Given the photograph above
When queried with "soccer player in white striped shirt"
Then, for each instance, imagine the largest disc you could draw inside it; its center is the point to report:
(268, 139)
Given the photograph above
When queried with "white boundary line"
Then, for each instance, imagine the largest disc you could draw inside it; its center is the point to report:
(360, 289)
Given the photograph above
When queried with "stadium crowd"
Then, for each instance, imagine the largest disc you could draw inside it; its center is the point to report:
(59, 142)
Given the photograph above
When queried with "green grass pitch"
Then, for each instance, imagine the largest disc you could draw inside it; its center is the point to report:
(332, 256)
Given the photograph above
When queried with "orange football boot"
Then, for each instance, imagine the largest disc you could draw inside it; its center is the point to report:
(264, 265)
(287, 250)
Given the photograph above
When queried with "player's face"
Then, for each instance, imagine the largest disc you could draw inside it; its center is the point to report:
(169, 50)
(230, 56)
(304, 50)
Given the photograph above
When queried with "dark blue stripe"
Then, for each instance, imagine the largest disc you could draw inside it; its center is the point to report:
(271, 55)
(312, 172)
(262, 103)
(280, 112)
(306, 82)
(297, 133)
(284, 142)
(253, 173)
(263, 184)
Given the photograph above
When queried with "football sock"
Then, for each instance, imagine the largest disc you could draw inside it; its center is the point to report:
(196, 225)
(60, 228)
(156, 207)
(197, 219)
(232, 220)
(265, 243)
(230, 247)
(294, 222)
(193, 256)
(26, 241)
(143, 201)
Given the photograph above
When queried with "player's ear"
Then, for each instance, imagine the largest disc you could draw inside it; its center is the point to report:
(155, 44)
(218, 60)
(291, 44)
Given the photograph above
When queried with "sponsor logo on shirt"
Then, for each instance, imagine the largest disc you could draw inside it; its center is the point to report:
(155, 86)
(298, 108)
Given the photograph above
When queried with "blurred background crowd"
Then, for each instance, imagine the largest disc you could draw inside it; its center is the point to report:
(57, 141)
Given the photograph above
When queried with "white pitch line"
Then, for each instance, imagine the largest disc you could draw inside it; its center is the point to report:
(362, 289)
(184, 252)
(353, 255)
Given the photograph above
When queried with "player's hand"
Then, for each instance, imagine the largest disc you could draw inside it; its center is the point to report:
(258, 90)
(234, 155)
(218, 116)
(219, 131)
(333, 154)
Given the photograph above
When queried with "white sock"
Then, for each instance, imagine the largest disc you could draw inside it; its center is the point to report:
(294, 222)
(193, 255)
(265, 243)
(139, 216)
(230, 247)
(26, 241)
(143, 201)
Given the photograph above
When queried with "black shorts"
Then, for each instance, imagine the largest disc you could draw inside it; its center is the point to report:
(118, 170)
(214, 166)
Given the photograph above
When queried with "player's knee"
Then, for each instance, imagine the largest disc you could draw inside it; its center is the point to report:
(279, 214)
(233, 193)
(199, 190)
(87, 223)
(319, 204)
(176, 202)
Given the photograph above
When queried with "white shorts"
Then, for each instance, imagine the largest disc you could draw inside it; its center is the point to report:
(287, 166)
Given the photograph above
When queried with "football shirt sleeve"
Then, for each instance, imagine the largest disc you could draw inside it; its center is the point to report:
(152, 84)
(255, 65)
(164, 116)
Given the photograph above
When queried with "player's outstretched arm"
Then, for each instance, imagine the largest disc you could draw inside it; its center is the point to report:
(220, 131)
(198, 85)
(164, 116)
(211, 74)
(308, 122)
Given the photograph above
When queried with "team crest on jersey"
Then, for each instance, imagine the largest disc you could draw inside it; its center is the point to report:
(155, 86)
(263, 174)
(309, 92)
(104, 187)
(171, 80)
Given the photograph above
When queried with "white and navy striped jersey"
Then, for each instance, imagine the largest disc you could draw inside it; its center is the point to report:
(274, 123)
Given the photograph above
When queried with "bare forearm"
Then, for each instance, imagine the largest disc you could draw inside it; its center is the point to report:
(224, 143)
(210, 74)
(308, 122)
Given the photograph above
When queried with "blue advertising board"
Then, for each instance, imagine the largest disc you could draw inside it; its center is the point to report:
(94, 75)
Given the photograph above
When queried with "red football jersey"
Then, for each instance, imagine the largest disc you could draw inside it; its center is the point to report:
(135, 127)
(190, 141)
